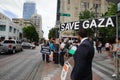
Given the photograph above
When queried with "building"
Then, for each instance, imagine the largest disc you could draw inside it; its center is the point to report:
(29, 9)
(36, 20)
(70, 11)
(3, 17)
(72, 8)
(22, 22)
(8, 29)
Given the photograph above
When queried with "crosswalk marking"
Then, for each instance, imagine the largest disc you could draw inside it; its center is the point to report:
(100, 67)
(104, 71)
(102, 75)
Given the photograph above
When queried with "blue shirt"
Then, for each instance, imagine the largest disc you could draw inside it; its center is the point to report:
(52, 46)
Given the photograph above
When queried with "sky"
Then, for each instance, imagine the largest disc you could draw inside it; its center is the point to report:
(45, 8)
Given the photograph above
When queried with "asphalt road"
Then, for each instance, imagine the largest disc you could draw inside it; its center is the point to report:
(21, 66)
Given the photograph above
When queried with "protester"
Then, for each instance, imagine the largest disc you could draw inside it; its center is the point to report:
(52, 48)
(83, 57)
(62, 52)
(45, 55)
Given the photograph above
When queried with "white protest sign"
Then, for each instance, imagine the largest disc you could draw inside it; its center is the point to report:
(65, 69)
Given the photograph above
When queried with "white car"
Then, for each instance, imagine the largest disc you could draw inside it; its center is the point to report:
(12, 46)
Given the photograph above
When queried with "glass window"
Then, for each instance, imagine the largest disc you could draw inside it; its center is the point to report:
(85, 5)
(96, 5)
(2, 27)
(9, 41)
(14, 30)
(10, 29)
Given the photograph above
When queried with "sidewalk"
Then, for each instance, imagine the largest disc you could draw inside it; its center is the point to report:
(52, 71)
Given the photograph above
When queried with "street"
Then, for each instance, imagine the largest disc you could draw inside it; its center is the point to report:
(20, 66)
(28, 65)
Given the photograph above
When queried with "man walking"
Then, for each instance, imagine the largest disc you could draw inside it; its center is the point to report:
(83, 57)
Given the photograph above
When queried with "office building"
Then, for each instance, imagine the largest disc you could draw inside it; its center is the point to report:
(29, 9)
(8, 29)
(36, 20)
(74, 7)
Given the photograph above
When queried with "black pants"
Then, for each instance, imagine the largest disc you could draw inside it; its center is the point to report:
(99, 50)
(45, 56)
(56, 57)
(62, 58)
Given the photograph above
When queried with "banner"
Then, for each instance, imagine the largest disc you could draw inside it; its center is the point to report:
(94, 23)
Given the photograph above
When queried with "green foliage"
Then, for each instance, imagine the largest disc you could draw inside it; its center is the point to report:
(86, 15)
(30, 33)
(112, 9)
(52, 33)
(106, 33)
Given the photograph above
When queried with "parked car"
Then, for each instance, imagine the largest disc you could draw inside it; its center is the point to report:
(2, 48)
(27, 45)
(12, 46)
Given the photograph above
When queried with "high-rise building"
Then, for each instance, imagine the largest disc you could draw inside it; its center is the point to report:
(29, 9)
(36, 20)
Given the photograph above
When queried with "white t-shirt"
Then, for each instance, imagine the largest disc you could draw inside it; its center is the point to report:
(62, 45)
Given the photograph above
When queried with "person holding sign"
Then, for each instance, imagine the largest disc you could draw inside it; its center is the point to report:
(83, 57)
(45, 50)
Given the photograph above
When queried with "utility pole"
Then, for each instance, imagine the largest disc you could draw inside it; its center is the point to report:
(96, 15)
(58, 18)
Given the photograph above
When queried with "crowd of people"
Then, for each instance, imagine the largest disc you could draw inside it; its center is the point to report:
(82, 50)
(58, 51)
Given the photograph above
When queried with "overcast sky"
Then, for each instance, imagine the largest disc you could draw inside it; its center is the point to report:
(46, 8)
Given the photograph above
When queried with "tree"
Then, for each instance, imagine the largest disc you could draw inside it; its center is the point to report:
(108, 32)
(86, 15)
(30, 33)
(52, 33)
(112, 9)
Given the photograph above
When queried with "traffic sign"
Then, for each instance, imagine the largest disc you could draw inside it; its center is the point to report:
(65, 14)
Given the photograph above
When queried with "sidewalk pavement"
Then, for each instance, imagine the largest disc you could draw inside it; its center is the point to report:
(53, 71)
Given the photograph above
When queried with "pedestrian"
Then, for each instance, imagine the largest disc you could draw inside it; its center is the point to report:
(52, 48)
(62, 52)
(99, 47)
(115, 49)
(97, 43)
(107, 47)
(45, 50)
(83, 57)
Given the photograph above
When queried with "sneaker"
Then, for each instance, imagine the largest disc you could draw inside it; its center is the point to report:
(114, 75)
